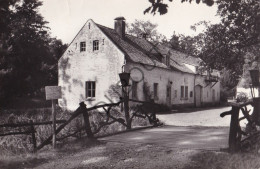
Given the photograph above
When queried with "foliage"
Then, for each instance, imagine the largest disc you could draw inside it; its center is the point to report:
(225, 46)
(221, 160)
(242, 97)
(145, 28)
(28, 55)
(23, 143)
(162, 8)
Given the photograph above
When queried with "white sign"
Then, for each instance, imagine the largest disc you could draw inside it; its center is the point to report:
(52, 92)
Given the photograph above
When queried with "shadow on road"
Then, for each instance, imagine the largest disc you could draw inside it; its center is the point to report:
(192, 109)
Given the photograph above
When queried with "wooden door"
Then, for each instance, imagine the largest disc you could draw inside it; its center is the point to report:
(198, 96)
(213, 95)
(168, 95)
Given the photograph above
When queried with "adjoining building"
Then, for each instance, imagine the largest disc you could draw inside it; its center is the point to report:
(89, 68)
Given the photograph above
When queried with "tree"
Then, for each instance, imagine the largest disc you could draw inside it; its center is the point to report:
(225, 44)
(162, 8)
(145, 28)
(28, 54)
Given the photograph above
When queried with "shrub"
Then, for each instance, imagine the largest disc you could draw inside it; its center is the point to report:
(242, 97)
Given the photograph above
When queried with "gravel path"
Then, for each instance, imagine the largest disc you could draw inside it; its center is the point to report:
(209, 117)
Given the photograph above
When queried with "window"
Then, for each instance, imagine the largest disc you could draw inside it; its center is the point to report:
(95, 45)
(168, 90)
(191, 94)
(90, 89)
(155, 90)
(134, 90)
(82, 46)
(184, 92)
(175, 93)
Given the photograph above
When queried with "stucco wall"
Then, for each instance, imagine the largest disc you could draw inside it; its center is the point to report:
(207, 90)
(75, 67)
(163, 77)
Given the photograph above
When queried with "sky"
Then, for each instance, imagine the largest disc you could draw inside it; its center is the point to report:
(66, 17)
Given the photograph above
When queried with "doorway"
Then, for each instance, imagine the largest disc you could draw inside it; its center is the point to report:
(168, 95)
(198, 89)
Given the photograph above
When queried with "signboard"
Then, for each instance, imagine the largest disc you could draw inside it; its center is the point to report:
(53, 92)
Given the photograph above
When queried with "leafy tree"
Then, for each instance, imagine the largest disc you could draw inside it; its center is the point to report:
(224, 45)
(144, 28)
(162, 8)
(28, 54)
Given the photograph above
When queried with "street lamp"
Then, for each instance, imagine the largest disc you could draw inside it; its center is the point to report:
(124, 79)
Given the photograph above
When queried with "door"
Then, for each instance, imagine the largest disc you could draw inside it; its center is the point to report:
(198, 96)
(213, 96)
(168, 95)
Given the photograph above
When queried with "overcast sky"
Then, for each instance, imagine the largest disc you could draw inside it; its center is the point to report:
(66, 17)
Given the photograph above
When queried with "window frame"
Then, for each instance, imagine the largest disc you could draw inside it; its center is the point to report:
(184, 92)
(82, 46)
(90, 86)
(95, 45)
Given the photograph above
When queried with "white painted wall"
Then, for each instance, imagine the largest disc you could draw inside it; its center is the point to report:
(207, 90)
(104, 65)
(163, 77)
(75, 67)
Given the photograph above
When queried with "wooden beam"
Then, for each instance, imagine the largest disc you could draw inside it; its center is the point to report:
(16, 133)
(29, 124)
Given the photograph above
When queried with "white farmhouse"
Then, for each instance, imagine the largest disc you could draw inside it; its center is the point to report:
(90, 66)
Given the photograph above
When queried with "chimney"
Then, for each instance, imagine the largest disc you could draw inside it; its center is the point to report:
(120, 26)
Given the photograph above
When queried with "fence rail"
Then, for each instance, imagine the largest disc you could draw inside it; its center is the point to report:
(141, 111)
(235, 132)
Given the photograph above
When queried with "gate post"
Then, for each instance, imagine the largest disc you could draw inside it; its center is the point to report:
(234, 142)
(86, 119)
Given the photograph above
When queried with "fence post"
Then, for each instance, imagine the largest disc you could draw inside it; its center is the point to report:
(33, 135)
(234, 143)
(86, 119)
(154, 112)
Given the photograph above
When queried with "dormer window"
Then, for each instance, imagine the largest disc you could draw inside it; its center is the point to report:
(82, 46)
(95, 45)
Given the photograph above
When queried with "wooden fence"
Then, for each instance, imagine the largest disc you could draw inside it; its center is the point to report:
(143, 110)
(239, 138)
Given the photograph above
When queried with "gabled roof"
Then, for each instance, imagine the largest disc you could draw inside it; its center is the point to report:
(142, 51)
(133, 51)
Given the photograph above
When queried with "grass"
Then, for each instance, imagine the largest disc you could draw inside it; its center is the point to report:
(222, 160)
(19, 144)
(85, 153)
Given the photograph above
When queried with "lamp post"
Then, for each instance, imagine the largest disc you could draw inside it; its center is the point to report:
(254, 73)
(124, 79)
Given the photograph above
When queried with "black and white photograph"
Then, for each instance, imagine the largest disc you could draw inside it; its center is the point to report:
(119, 84)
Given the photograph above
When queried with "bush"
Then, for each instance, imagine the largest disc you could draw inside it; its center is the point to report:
(23, 143)
(242, 97)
